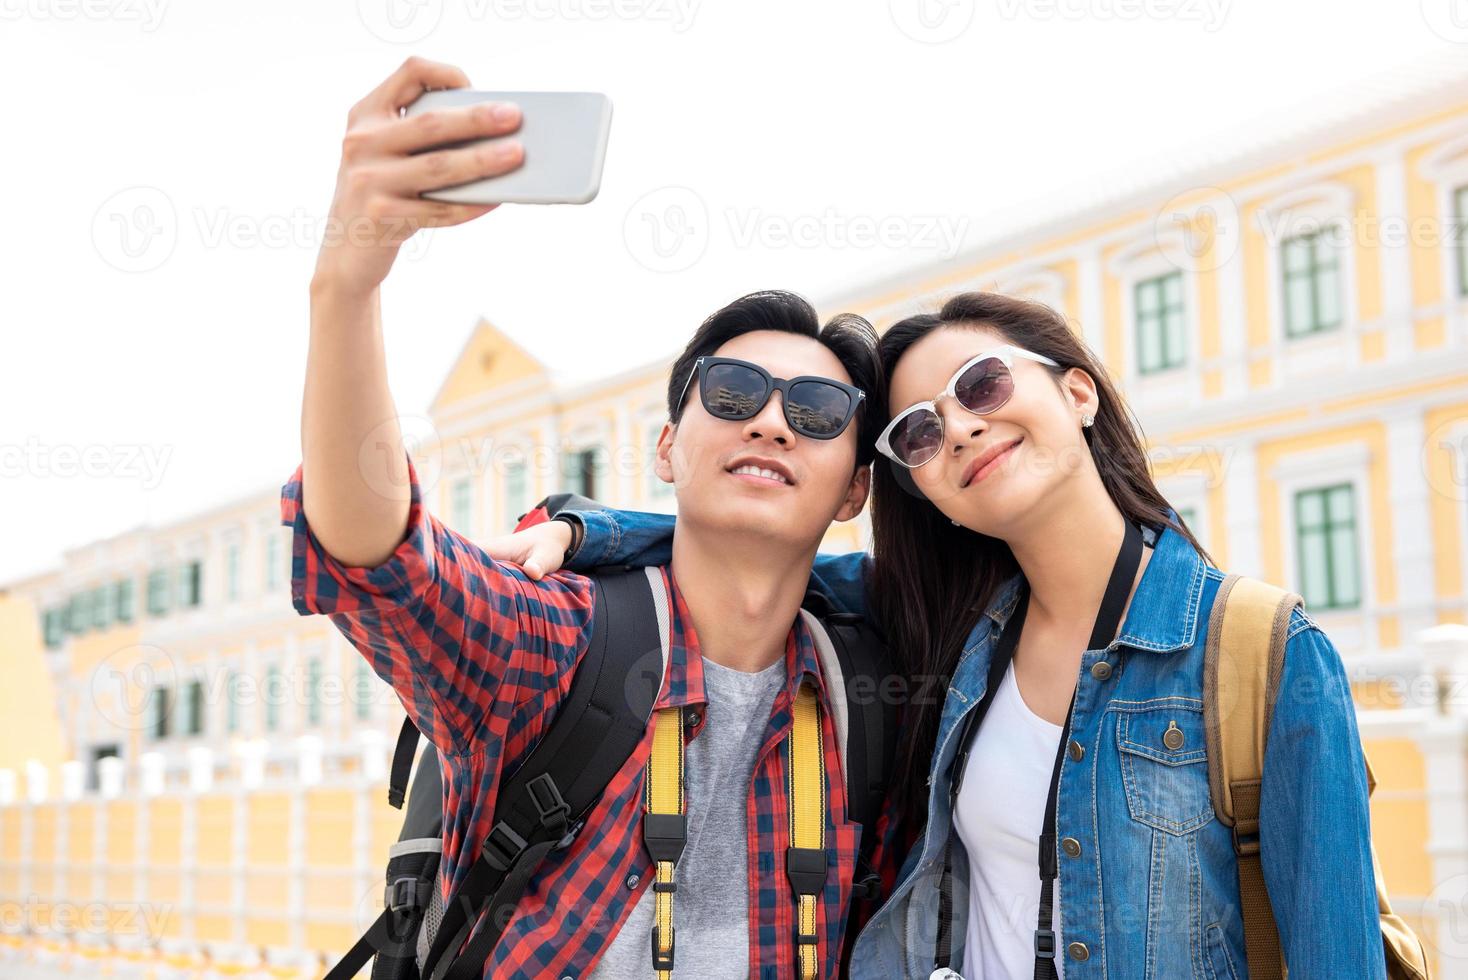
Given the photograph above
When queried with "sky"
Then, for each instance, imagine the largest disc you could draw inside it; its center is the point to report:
(168, 167)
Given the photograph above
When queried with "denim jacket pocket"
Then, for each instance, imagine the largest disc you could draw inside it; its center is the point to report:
(1220, 964)
(1164, 765)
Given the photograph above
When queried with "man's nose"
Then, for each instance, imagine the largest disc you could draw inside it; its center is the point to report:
(770, 422)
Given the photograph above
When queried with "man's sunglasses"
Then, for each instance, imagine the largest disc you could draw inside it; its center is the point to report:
(735, 390)
(981, 385)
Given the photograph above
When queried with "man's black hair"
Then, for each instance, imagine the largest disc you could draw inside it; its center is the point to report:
(850, 337)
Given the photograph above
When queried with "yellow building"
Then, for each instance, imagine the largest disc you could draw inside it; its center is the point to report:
(1289, 323)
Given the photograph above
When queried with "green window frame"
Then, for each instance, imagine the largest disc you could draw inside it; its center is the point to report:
(272, 698)
(1327, 547)
(1310, 269)
(232, 571)
(194, 708)
(461, 505)
(363, 693)
(1159, 315)
(313, 691)
(158, 592)
(517, 492)
(122, 599)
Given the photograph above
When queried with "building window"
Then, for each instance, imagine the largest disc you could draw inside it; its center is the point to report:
(158, 709)
(313, 691)
(461, 505)
(1460, 229)
(190, 584)
(579, 472)
(101, 607)
(1325, 542)
(53, 627)
(273, 697)
(122, 602)
(158, 592)
(516, 501)
(232, 571)
(233, 694)
(1312, 284)
(363, 693)
(94, 768)
(76, 613)
(194, 708)
(1158, 309)
(272, 559)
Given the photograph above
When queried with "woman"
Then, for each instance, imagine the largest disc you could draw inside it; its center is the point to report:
(1021, 545)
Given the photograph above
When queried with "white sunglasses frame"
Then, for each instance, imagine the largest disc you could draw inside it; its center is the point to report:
(1005, 354)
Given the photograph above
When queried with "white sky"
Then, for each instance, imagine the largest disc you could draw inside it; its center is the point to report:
(179, 368)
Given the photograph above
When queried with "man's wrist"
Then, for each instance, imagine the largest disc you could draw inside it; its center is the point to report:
(578, 533)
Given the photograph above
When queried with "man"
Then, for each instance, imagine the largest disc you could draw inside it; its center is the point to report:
(482, 655)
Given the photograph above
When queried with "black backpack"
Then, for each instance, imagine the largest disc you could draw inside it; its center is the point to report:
(597, 727)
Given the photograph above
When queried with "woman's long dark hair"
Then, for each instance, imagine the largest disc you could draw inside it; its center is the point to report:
(931, 580)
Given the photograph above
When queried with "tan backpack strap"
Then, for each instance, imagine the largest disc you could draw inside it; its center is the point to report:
(1243, 660)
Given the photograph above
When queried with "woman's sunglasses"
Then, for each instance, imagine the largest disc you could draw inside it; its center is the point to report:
(981, 385)
(736, 390)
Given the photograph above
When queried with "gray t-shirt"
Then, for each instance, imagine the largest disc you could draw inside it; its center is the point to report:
(711, 906)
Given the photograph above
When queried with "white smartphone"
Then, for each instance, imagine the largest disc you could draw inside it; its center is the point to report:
(565, 140)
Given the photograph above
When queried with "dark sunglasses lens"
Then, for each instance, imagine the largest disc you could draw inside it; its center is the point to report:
(732, 391)
(817, 409)
(985, 386)
(917, 438)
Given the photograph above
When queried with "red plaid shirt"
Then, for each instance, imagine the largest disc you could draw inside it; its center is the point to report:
(481, 656)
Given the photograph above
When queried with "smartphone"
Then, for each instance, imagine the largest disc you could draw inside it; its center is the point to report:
(565, 140)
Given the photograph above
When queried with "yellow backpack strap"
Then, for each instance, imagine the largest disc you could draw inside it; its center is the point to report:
(805, 861)
(665, 828)
(1243, 659)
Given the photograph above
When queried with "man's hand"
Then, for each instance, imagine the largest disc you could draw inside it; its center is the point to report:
(538, 549)
(376, 206)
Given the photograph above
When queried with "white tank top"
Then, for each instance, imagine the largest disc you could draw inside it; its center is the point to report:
(1001, 805)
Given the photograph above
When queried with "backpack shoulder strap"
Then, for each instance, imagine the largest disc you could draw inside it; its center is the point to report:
(595, 730)
(1242, 662)
(855, 666)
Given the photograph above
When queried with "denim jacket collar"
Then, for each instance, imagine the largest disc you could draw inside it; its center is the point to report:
(1153, 622)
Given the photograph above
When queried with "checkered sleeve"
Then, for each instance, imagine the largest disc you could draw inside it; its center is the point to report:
(462, 639)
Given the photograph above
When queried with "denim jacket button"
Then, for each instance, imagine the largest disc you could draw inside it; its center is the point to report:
(1173, 737)
(1071, 846)
(1100, 670)
(1077, 751)
(1078, 952)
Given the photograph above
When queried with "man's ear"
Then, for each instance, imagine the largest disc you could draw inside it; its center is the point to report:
(856, 493)
(662, 463)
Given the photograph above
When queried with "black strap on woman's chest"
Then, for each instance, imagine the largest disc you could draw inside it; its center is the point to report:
(1108, 619)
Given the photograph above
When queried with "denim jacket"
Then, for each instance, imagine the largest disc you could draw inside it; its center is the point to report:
(1152, 889)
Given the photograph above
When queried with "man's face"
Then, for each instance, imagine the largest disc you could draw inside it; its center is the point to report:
(706, 457)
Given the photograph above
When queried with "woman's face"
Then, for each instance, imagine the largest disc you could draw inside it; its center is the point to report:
(1033, 443)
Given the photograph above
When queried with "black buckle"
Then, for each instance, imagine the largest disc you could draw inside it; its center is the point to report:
(547, 798)
(406, 894)
(1045, 944)
(665, 835)
(869, 889)
(661, 961)
(503, 847)
(806, 869)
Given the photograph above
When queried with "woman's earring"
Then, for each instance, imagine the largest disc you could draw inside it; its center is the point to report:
(1088, 420)
(954, 523)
